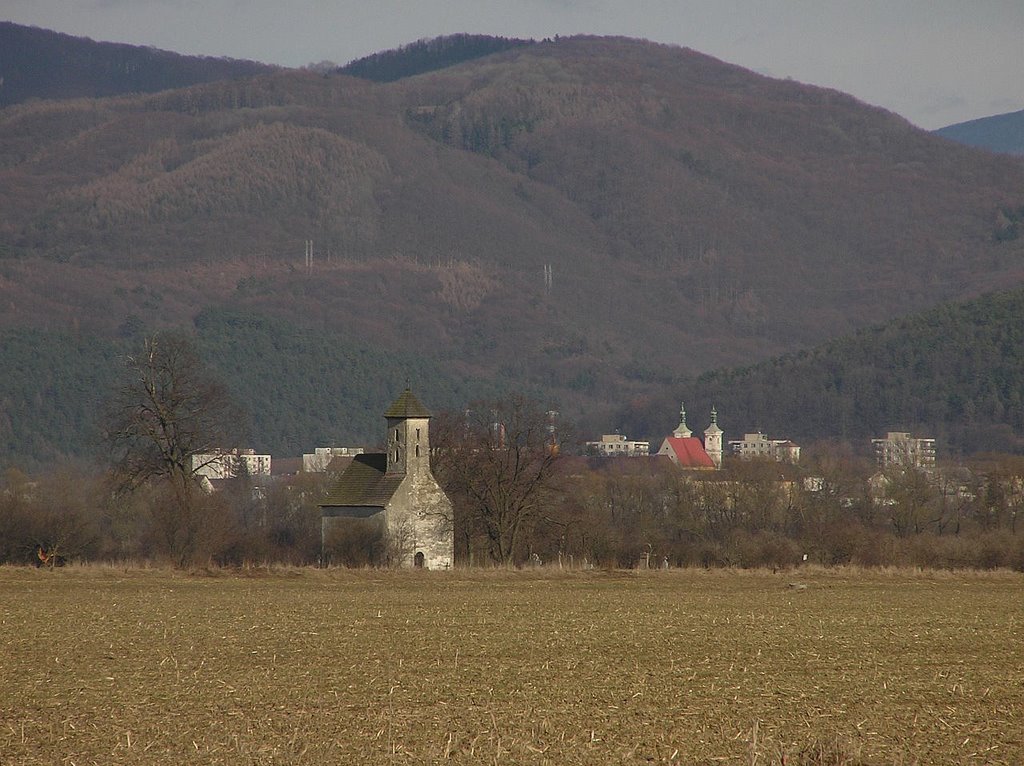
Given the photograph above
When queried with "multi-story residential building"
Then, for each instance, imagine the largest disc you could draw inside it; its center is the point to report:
(227, 464)
(617, 445)
(756, 445)
(321, 457)
(900, 449)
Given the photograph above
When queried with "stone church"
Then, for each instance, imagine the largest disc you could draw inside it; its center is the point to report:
(398, 489)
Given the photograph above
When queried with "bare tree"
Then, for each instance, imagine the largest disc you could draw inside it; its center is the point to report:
(497, 462)
(168, 412)
(912, 501)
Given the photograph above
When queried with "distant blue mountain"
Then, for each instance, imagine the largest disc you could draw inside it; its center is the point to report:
(1001, 133)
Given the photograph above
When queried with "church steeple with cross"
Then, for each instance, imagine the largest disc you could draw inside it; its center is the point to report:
(682, 430)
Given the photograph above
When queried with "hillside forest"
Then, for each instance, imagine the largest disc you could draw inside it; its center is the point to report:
(591, 221)
(952, 373)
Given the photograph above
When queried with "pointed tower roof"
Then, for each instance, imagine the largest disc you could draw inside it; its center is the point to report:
(713, 428)
(407, 406)
(682, 430)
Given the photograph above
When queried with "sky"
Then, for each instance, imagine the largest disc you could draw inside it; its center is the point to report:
(935, 62)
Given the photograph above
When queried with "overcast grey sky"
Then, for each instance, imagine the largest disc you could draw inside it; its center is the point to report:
(936, 62)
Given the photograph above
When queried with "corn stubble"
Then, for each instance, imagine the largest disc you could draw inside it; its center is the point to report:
(100, 665)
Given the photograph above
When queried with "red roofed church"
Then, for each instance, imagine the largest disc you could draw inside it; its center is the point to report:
(687, 451)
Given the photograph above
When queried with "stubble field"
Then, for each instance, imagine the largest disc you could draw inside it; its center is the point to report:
(101, 665)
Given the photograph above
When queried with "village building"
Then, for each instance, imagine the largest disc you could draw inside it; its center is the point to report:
(687, 451)
(397, 490)
(757, 445)
(617, 445)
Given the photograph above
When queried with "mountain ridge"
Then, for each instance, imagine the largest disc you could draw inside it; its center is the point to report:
(40, 63)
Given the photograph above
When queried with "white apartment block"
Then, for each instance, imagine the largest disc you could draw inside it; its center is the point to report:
(321, 457)
(757, 445)
(900, 449)
(227, 464)
(617, 445)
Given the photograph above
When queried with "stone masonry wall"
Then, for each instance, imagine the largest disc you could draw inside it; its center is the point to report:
(420, 514)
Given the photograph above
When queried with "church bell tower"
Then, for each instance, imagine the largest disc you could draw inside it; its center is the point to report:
(713, 440)
(408, 442)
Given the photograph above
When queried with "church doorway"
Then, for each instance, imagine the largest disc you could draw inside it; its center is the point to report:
(418, 560)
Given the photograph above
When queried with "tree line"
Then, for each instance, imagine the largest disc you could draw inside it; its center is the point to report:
(520, 497)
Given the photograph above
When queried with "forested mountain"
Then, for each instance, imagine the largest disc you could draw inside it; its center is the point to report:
(594, 220)
(954, 373)
(38, 63)
(999, 133)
